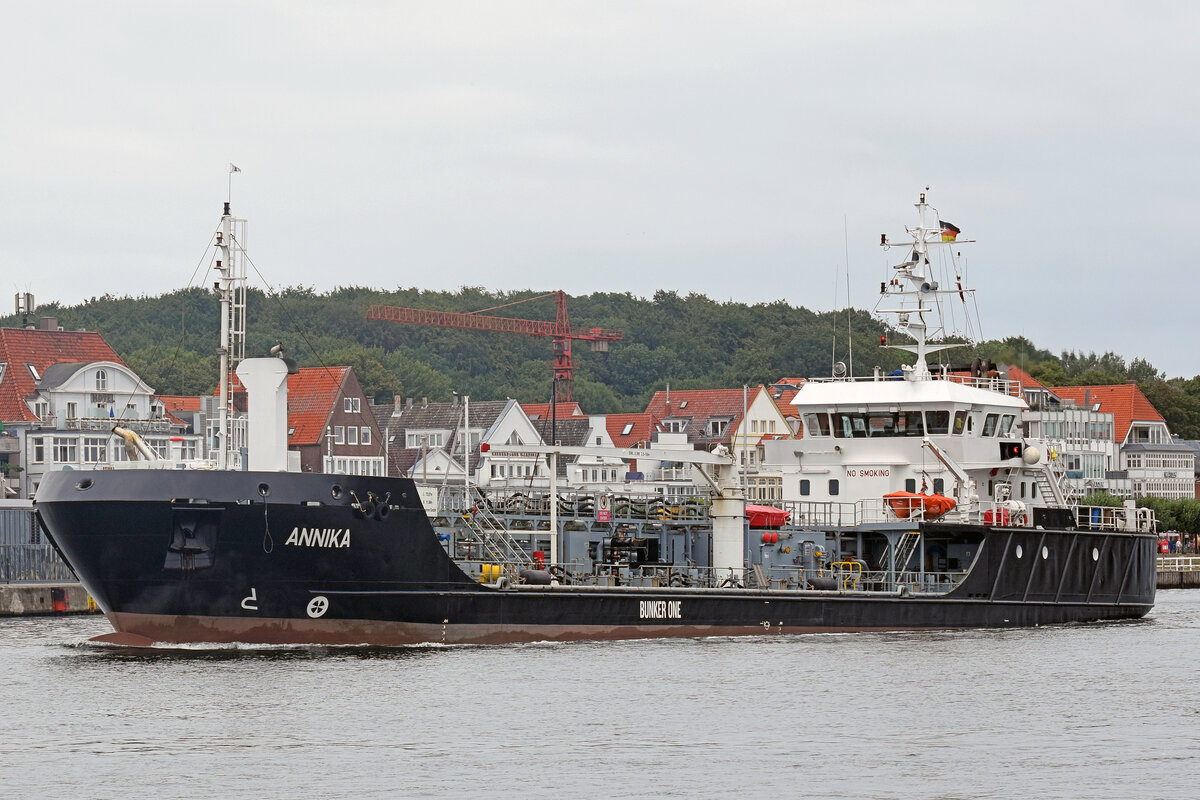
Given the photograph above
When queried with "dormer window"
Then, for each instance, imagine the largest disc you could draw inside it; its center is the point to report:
(101, 380)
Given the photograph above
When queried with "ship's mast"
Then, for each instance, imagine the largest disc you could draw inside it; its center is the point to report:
(232, 349)
(916, 293)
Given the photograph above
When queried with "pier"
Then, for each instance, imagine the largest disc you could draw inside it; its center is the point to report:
(1179, 572)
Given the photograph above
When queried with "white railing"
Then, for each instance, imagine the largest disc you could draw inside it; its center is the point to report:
(1179, 563)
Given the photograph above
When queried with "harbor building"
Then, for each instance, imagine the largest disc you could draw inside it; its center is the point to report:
(61, 394)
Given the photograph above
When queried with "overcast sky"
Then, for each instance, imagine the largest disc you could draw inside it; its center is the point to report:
(742, 150)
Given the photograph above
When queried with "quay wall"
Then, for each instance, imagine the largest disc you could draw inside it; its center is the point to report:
(35, 599)
(1179, 580)
(1178, 572)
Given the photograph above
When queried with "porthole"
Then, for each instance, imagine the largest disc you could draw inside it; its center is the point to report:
(1095, 554)
(1045, 553)
(1020, 552)
(84, 485)
(336, 491)
(264, 489)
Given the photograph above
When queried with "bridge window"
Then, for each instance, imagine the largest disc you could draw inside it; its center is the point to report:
(816, 424)
(877, 424)
(937, 421)
(960, 422)
(989, 424)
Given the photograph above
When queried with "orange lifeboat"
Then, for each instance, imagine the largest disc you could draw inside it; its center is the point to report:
(904, 504)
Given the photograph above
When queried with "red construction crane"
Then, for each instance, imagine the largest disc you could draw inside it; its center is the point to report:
(559, 330)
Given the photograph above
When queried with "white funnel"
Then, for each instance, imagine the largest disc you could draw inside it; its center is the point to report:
(265, 380)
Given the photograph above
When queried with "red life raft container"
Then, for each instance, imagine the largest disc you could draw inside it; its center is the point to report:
(766, 516)
(903, 504)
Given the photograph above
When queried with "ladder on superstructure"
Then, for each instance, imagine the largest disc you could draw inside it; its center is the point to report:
(231, 245)
(904, 550)
(491, 535)
(1049, 483)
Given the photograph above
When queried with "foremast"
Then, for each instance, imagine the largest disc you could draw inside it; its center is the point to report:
(231, 287)
(915, 294)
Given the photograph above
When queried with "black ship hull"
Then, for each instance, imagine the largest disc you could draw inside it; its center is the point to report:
(197, 556)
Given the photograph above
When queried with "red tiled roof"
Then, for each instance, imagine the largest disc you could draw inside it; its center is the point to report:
(700, 405)
(1027, 380)
(311, 395)
(644, 427)
(1124, 401)
(786, 389)
(20, 347)
(176, 402)
(542, 410)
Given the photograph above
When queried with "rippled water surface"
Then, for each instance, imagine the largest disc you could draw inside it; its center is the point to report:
(1096, 711)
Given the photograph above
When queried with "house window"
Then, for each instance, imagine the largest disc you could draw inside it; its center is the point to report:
(346, 404)
(339, 437)
(188, 451)
(352, 405)
(754, 426)
(66, 450)
(717, 427)
(101, 381)
(352, 435)
(771, 426)
(366, 435)
(42, 409)
(95, 450)
(72, 410)
(39, 450)
(628, 429)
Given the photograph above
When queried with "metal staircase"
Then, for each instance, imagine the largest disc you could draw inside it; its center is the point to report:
(904, 549)
(1050, 485)
(492, 537)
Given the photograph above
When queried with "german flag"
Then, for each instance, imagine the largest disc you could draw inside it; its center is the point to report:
(949, 230)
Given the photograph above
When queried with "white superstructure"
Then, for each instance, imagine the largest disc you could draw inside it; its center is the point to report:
(922, 429)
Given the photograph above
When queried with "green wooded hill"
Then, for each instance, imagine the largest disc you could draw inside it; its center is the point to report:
(690, 341)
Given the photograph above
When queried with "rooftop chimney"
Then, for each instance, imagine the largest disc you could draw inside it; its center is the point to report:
(48, 324)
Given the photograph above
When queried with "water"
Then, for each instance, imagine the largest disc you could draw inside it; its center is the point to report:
(1096, 711)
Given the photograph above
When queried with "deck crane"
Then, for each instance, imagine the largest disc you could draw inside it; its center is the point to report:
(559, 331)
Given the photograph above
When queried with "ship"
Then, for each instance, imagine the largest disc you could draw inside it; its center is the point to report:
(910, 501)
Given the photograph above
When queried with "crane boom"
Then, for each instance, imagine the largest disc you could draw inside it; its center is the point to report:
(559, 330)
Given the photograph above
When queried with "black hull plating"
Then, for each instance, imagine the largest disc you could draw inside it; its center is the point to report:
(204, 556)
